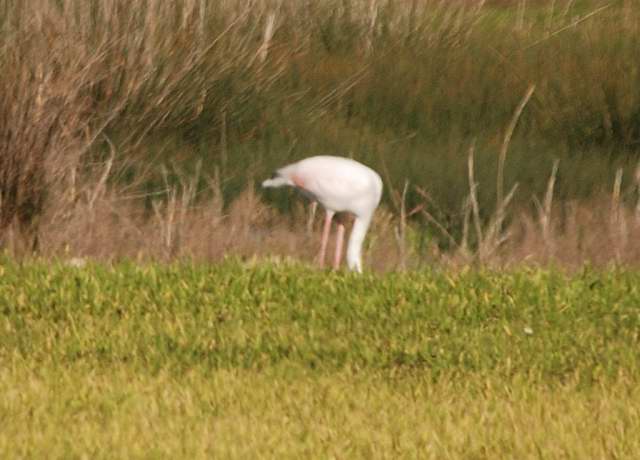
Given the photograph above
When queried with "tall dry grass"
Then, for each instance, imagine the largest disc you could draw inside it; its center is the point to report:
(136, 129)
(75, 72)
(599, 232)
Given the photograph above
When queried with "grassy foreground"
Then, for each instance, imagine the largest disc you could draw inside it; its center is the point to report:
(282, 361)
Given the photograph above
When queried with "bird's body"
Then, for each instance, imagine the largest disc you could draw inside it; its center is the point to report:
(340, 185)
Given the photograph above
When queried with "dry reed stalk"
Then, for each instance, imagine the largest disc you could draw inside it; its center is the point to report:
(544, 210)
(618, 219)
(636, 180)
(216, 203)
(550, 15)
(464, 240)
(577, 20)
(269, 28)
(101, 186)
(496, 235)
(473, 198)
(371, 32)
(522, 6)
(567, 8)
(503, 152)
(401, 229)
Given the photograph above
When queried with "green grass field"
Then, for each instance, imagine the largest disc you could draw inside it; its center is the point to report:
(276, 360)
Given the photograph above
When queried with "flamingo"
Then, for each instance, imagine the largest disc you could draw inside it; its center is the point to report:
(340, 185)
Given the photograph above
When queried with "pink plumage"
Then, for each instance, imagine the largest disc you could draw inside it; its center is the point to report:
(339, 185)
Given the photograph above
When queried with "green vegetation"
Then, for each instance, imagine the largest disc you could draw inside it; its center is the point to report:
(277, 360)
(242, 87)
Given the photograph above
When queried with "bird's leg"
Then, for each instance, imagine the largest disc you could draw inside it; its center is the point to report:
(325, 237)
(339, 244)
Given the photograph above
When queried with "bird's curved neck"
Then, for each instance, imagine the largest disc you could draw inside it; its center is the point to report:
(356, 239)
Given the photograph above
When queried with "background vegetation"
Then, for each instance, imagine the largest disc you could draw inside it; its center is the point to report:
(280, 360)
(133, 123)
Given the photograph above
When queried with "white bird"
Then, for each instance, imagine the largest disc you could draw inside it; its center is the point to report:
(340, 185)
